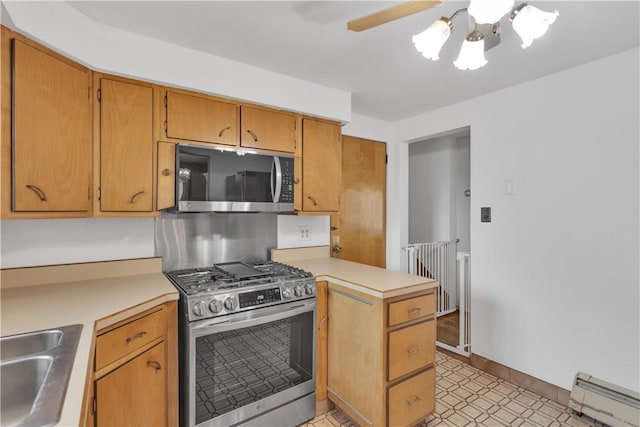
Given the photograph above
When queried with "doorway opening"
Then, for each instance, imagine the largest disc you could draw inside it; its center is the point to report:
(439, 230)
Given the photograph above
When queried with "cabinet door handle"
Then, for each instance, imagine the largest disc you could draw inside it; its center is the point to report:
(135, 337)
(38, 191)
(413, 400)
(133, 198)
(313, 200)
(222, 131)
(166, 171)
(155, 365)
(413, 311)
(413, 350)
(296, 180)
(255, 138)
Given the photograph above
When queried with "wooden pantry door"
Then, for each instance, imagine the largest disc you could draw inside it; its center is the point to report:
(361, 224)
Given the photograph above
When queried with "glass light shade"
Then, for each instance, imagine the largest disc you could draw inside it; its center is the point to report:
(489, 11)
(531, 23)
(430, 41)
(471, 55)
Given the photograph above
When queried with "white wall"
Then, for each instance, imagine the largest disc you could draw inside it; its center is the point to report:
(64, 241)
(438, 177)
(461, 181)
(430, 190)
(555, 276)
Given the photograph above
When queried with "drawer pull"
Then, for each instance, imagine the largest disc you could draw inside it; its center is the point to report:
(155, 365)
(414, 311)
(413, 350)
(132, 200)
(413, 400)
(135, 337)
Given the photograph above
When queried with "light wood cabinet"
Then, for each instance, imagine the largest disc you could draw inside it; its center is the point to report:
(46, 132)
(322, 403)
(321, 167)
(134, 394)
(268, 129)
(381, 370)
(195, 117)
(136, 370)
(166, 180)
(124, 146)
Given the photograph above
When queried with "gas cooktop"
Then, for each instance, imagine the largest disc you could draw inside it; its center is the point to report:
(237, 286)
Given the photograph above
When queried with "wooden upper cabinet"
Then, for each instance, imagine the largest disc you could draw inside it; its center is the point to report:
(166, 197)
(125, 146)
(51, 142)
(200, 118)
(268, 129)
(321, 171)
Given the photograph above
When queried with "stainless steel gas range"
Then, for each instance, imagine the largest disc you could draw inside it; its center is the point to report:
(247, 344)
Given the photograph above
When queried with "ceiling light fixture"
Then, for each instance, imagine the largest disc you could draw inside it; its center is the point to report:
(531, 23)
(471, 55)
(484, 21)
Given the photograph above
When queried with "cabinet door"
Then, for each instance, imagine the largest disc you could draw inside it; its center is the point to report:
(126, 147)
(52, 132)
(202, 119)
(135, 394)
(268, 130)
(166, 197)
(321, 173)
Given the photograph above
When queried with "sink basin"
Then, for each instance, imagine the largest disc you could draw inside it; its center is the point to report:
(22, 379)
(26, 344)
(35, 369)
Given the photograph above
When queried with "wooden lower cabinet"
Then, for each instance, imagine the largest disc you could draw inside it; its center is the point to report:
(381, 354)
(135, 393)
(322, 403)
(135, 378)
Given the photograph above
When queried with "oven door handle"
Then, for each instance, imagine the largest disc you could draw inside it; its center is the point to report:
(252, 319)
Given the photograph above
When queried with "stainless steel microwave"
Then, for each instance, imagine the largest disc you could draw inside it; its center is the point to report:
(217, 180)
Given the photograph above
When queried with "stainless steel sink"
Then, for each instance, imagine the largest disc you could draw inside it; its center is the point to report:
(31, 343)
(35, 369)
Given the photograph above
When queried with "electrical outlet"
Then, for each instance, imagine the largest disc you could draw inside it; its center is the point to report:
(304, 233)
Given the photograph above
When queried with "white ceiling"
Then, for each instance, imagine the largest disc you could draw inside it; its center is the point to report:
(387, 77)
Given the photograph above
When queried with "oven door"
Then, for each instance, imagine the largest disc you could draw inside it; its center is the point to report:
(247, 364)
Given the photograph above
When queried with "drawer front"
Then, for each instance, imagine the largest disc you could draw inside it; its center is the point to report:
(413, 399)
(411, 348)
(412, 309)
(119, 342)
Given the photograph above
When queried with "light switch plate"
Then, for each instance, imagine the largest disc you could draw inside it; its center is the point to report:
(485, 214)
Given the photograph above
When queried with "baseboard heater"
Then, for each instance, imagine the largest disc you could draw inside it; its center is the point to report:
(605, 402)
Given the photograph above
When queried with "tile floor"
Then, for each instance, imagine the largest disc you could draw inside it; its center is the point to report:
(466, 396)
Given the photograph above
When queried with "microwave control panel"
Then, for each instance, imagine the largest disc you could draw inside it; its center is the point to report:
(286, 194)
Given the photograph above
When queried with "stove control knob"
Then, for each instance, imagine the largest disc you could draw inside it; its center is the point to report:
(286, 293)
(229, 304)
(215, 306)
(297, 291)
(198, 308)
(308, 289)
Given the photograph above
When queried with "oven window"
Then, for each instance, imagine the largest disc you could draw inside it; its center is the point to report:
(238, 367)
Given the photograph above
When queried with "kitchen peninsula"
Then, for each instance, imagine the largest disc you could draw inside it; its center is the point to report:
(377, 329)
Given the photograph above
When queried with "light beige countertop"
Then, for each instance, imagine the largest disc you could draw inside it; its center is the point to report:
(375, 281)
(94, 295)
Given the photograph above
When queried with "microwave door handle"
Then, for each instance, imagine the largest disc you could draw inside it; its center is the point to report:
(273, 167)
(278, 189)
